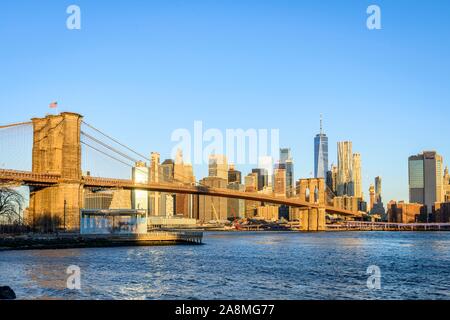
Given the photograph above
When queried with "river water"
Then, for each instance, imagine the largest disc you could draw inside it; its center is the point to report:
(245, 266)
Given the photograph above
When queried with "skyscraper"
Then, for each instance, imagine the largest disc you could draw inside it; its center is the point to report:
(332, 178)
(218, 166)
(320, 154)
(426, 179)
(446, 185)
(266, 162)
(344, 183)
(140, 198)
(280, 182)
(372, 197)
(262, 178)
(287, 164)
(378, 190)
(234, 175)
(356, 175)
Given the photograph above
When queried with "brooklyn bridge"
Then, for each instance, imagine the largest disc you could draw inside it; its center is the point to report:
(57, 183)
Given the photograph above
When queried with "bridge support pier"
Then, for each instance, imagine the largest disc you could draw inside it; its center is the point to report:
(57, 150)
(312, 219)
(56, 207)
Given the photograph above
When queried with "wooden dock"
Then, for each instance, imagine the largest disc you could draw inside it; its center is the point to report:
(69, 241)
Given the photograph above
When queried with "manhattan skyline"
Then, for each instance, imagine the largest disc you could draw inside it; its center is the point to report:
(251, 65)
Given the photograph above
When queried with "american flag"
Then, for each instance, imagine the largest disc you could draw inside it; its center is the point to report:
(53, 105)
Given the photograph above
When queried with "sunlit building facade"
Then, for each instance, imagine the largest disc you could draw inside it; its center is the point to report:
(426, 179)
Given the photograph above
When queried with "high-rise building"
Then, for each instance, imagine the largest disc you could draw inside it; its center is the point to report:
(426, 179)
(446, 185)
(372, 197)
(166, 201)
(378, 198)
(332, 179)
(356, 175)
(263, 178)
(251, 182)
(287, 163)
(344, 183)
(155, 177)
(141, 175)
(234, 175)
(378, 206)
(280, 183)
(213, 208)
(267, 163)
(236, 207)
(218, 166)
(320, 154)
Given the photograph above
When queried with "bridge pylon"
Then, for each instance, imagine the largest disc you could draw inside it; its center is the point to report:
(57, 150)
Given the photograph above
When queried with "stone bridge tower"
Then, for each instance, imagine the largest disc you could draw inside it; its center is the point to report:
(312, 191)
(57, 150)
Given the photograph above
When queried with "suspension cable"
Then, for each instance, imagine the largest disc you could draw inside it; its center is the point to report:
(108, 147)
(15, 125)
(121, 144)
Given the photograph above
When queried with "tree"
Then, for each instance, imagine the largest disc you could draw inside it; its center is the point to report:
(11, 202)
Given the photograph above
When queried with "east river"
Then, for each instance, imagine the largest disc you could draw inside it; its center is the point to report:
(257, 265)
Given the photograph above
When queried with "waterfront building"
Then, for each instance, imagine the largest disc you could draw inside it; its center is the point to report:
(356, 175)
(344, 183)
(267, 213)
(262, 179)
(349, 203)
(280, 183)
(442, 213)
(426, 177)
(218, 166)
(234, 175)
(402, 212)
(140, 198)
(321, 153)
(100, 200)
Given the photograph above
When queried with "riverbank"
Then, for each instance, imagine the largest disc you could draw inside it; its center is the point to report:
(70, 241)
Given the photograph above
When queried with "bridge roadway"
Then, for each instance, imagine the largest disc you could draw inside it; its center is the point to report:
(33, 179)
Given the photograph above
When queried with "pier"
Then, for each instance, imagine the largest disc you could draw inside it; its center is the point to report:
(69, 241)
(385, 226)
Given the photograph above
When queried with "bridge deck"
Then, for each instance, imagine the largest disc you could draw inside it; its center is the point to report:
(30, 178)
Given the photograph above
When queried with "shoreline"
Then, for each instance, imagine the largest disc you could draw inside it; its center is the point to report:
(76, 241)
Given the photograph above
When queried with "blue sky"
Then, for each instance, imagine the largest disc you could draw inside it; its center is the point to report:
(141, 69)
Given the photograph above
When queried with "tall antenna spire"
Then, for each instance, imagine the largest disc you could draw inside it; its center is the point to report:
(321, 124)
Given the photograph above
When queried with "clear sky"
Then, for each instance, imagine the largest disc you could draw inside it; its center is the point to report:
(141, 69)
